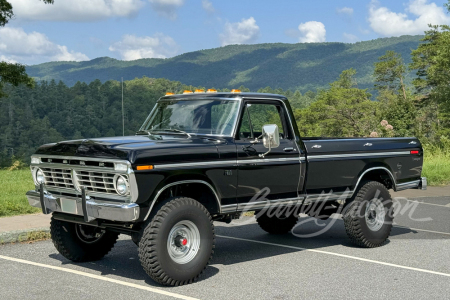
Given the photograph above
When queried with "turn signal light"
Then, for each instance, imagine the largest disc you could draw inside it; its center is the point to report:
(169, 94)
(187, 92)
(235, 91)
(199, 91)
(142, 168)
(414, 152)
(211, 91)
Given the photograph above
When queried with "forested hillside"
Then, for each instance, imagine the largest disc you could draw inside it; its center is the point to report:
(287, 66)
(53, 112)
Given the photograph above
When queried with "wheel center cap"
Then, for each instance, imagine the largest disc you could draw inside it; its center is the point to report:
(180, 241)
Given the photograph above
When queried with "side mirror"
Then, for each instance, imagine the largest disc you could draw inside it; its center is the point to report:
(271, 137)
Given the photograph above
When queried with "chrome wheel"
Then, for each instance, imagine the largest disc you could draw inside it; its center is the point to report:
(89, 234)
(183, 242)
(375, 214)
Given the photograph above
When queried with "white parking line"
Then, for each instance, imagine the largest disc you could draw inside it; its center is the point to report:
(340, 255)
(425, 230)
(403, 198)
(137, 286)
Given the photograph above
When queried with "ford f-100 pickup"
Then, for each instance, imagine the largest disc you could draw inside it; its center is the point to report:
(209, 156)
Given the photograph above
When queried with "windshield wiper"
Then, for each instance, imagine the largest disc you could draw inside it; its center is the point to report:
(142, 132)
(172, 130)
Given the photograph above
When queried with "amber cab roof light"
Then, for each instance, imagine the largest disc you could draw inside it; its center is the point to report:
(235, 91)
(169, 94)
(187, 92)
(199, 91)
(211, 91)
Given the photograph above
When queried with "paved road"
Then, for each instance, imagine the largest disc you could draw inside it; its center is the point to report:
(249, 264)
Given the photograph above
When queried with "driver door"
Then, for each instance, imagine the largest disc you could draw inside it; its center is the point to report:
(279, 170)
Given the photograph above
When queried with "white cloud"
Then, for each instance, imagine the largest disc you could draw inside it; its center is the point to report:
(166, 8)
(34, 47)
(7, 59)
(387, 23)
(350, 37)
(78, 11)
(345, 11)
(207, 5)
(312, 32)
(132, 47)
(242, 32)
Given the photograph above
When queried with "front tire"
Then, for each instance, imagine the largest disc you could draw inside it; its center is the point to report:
(178, 242)
(368, 218)
(81, 243)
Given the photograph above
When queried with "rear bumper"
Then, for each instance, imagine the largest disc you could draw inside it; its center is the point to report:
(423, 183)
(127, 212)
(416, 184)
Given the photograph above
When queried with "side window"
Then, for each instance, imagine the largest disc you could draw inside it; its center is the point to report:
(256, 116)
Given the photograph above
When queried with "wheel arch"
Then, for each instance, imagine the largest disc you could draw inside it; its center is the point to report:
(189, 188)
(381, 174)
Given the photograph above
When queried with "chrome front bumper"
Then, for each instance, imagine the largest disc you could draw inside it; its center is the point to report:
(94, 209)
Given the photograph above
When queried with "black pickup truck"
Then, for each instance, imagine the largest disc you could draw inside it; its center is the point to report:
(204, 157)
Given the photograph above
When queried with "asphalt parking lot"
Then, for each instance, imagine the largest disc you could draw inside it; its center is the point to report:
(250, 264)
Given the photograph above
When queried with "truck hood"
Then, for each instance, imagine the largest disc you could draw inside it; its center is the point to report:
(133, 148)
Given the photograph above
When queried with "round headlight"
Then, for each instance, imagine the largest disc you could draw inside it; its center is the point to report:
(121, 185)
(40, 178)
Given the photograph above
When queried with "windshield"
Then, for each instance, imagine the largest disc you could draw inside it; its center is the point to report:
(215, 117)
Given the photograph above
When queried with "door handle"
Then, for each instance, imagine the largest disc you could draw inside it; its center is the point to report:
(316, 146)
(368, 144)
(289, 149)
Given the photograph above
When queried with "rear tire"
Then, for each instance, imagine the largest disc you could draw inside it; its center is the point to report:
(81, 243)
(276, 225)
(368, 218)
(178, 242)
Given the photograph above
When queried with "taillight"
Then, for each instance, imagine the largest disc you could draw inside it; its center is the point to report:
(414, 152)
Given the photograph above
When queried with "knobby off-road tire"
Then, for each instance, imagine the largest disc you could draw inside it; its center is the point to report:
(177, 242)
(365, 224)
(276, 225)
(81, 243)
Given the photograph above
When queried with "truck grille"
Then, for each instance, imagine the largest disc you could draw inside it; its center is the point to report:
(96, 182)
(92, 181)
(58, 177)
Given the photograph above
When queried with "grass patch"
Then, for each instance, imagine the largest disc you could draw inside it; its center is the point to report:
(14, 185)
(436, 166)
(37, 236)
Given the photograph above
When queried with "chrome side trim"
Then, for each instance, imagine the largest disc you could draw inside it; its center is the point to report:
(182, 182)
(376, 168)
(228, 208)
(327, 156)
(227, 162)
(196, 164)
(249, 206)
(267, 160)
(408, 185)
(327, 197)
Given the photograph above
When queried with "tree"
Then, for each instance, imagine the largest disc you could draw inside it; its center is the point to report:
(390, 72)
(432, 62)
(341, 111)
(12, 73)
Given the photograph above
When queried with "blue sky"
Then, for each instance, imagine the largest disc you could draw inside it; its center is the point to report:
(133, 29)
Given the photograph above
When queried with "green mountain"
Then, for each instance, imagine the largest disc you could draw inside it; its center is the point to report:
(287, 66)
